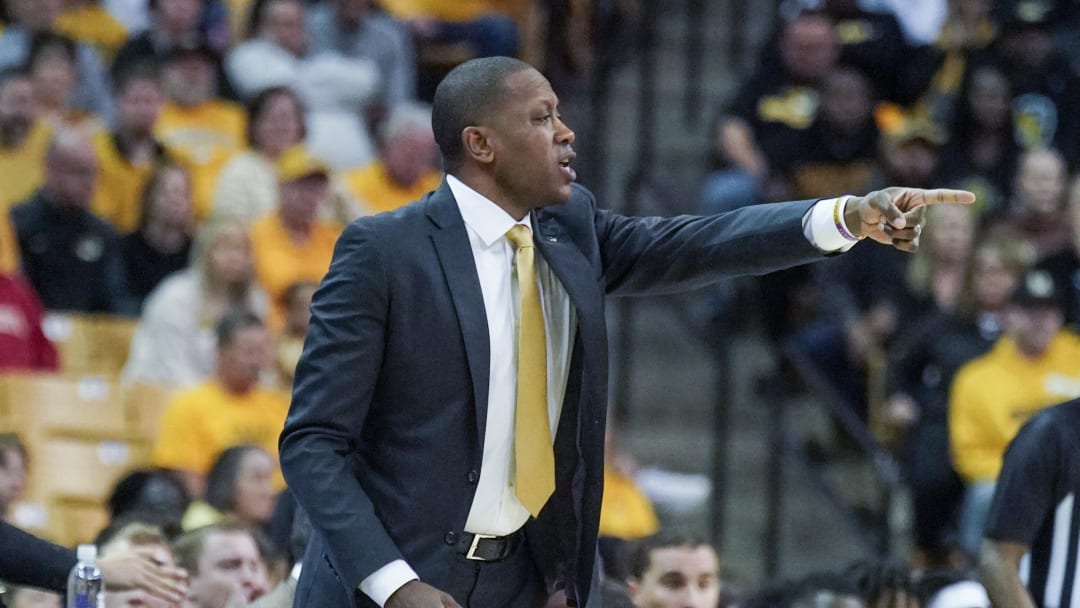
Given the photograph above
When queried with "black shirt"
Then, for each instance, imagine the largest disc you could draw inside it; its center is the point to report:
(71, 257)
(1035, 503)
(145, 267)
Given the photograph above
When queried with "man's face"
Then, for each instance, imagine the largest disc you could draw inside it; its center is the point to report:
(409, 154)
(138, 105)
(230, 569)
(530, 144)
(71, 174)
(16, 109)
(300, 200)
(809, 48)
(240, 362)
(285, 25)
(1033, 327)
(190, 79)
(1040, 183)
(679, 577)
(179, 15)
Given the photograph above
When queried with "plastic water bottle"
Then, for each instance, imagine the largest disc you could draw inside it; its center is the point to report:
(85, 587)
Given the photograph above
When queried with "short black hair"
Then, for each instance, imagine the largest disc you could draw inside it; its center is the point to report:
(640, 552)
(232, 323)
(466, 94)
(138, 71)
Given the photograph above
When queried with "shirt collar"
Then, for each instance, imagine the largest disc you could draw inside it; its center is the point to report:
(488, 220)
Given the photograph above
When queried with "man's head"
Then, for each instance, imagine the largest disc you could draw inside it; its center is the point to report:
(242, 343)
(188, 75)
(304, 183)
(282, 22)
(138, 100)
(177, 18)
(911, 153)
(1040, 181)
(35, 15)
(407, 146)
(497, 124)
(847, 101)
(70, 169)
(16, 107)
(674, 571)
(13, 469)
(809, 48)
(224, 565)
(1034, 316)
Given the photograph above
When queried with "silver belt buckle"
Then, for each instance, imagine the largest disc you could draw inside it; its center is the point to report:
(475, 542)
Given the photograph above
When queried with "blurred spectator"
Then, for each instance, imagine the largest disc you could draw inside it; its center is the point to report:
(292, 244)
(1037, 211)
(196, 126)
(335, 88)
(1029, 553)
(884, 583)
(296, 302)
(29, 597)
(1032, 366)
(225, 566)
(1065, 266)
(239, 487)
(71, 256)
(89, 22)
(174, 341)
(128, 154)
(283, 595)
(247, 187)
(1045, 89)
(482, 24)
(151, 496)
(173, 24)
(754, 134)
(357, 29)
(921, 20)
(13, 468)
(674, 571)
(837, 154)
(54, 75)
(981, 153)
(24, 139)
(30, 17)
(162, 243)
(23, 345)
(229, 409)
(405, 170)
(135, 535)
(921, 368)
(911, 154)
(625, 511)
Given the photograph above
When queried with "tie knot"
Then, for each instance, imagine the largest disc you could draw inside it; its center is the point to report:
(520, 236)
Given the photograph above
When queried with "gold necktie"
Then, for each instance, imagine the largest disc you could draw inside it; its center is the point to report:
(534, 460)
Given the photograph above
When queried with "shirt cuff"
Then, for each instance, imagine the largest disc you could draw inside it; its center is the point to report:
(385, 581)
(824, 225)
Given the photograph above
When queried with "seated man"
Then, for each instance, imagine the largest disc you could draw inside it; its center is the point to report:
(224, 566)
(674, 571)
(229, 409)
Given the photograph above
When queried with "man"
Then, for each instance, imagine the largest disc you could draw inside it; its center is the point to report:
(1032, 366)
(1034, 514)
(24, 139)
(401, 436)
(674, 571)
(70, 256)
(224, 564)
(230, 409)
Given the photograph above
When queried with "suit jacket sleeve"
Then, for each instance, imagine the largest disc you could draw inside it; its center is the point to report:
(651, 255)
(332, 393)
(29, 561)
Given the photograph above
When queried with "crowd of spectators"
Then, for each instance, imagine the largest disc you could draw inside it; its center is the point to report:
(190, 163)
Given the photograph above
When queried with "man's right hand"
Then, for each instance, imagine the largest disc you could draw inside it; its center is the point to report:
(415, 594)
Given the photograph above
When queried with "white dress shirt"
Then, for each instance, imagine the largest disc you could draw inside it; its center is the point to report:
(495, 508)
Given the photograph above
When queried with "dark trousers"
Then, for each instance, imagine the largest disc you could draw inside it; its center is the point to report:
(513, 582)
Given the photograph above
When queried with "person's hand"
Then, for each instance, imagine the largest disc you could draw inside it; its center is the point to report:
(415, 594)
(138, 569)
(895, 216)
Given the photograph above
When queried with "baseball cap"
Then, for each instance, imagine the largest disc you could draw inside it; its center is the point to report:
(297, 163)
(1036, 288)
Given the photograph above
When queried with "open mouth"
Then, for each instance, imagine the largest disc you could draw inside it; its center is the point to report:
(568, 171)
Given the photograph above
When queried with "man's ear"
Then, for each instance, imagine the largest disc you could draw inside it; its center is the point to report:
(477, 144)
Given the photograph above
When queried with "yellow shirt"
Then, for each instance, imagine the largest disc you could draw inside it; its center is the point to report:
(22, 169)
(458, 10)
(376, 192)
(995, 394)
(203, 421)
(92, 24)
(625, 511)
(9, 246)
(280, 261)
(203, 138)
(119, 188)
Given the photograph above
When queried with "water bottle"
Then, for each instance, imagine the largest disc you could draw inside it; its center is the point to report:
(85, 587)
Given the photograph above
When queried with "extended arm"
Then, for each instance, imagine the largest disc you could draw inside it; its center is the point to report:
(999, 567)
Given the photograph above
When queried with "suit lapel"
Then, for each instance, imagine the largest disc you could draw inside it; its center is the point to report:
(573, 271)
(455, 256)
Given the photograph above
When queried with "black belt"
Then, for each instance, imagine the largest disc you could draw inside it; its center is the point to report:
(488, 548)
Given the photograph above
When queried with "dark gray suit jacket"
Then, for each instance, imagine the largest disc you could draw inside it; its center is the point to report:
(383, 442)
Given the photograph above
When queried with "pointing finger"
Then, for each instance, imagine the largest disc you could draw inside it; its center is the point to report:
(948, 196)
